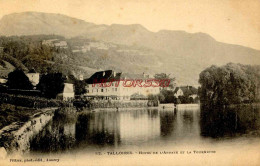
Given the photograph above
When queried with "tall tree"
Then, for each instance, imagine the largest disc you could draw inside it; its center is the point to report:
(51, 84)
(164, 76)
(18, 80)
(230, 84)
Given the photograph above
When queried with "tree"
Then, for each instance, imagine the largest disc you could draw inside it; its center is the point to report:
(34, 61)
(153, 100)
(51, 84)
(167, 96)
(164, 76)
(229, 84)
(18, 80)
(80, 87)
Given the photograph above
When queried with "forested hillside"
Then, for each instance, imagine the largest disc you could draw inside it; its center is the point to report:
(130, 48)
(79, 56)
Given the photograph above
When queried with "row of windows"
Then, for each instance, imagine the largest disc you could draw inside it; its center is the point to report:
(115, 90)
(102, 90)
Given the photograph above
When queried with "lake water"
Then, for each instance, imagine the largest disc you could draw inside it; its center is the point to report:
(145, 129)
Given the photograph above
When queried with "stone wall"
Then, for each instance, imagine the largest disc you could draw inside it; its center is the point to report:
(16, 137)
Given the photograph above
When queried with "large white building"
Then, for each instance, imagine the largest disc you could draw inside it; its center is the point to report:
(120, 86)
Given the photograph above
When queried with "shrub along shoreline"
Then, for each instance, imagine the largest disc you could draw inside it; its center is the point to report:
(19, 108)
(11, 113)
(30, 101)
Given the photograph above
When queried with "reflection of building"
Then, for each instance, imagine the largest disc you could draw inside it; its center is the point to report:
(101, 129)
(119, 86)
(118, 128)
(70, 129)
(168, 122)
(144, 126)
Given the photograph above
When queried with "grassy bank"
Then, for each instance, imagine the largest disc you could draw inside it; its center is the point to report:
(30, 101)
(11, 113)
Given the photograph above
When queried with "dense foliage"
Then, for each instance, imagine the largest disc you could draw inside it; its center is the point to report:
(11, 113)
(51, 84)
(164, 76)
(18, 80)
(167, 96)
(230, 84)
(29, 101)
(28, 52)
(80, 87)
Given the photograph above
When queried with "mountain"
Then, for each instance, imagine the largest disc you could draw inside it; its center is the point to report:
(33, 23)
(180, 53)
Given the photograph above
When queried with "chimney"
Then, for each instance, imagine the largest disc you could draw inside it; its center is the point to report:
(104, 73)
(114, 74)
(145, 75)
(80, 77)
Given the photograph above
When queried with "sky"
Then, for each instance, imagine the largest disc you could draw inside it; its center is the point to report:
(228, 21)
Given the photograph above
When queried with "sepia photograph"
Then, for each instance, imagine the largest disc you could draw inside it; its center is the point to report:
(129, 82)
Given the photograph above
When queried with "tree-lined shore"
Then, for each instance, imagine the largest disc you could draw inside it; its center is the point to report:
(230, 84)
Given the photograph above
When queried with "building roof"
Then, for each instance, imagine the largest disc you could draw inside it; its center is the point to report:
(103, 76)
(110, 75)
(134, 76)
(4, 73)
(69, 79)
(32, 71)
(187, 90)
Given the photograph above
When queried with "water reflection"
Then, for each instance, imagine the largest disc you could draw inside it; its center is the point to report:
(139, 126)
(58, 135)
(230, 122)
(167, 122)
(100, 128)
(142, 127)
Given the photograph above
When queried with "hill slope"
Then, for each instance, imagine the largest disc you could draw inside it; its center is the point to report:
(183, 54)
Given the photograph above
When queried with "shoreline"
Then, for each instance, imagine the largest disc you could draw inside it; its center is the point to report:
(14, 138)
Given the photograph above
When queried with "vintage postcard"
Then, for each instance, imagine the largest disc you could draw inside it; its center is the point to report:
(129, 82)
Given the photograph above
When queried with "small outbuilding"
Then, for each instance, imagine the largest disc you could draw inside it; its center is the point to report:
(68, 92)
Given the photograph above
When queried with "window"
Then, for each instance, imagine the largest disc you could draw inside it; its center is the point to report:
(115, 89)
(102, 90)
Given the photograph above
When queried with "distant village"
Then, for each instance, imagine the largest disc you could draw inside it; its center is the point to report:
(95, 90)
